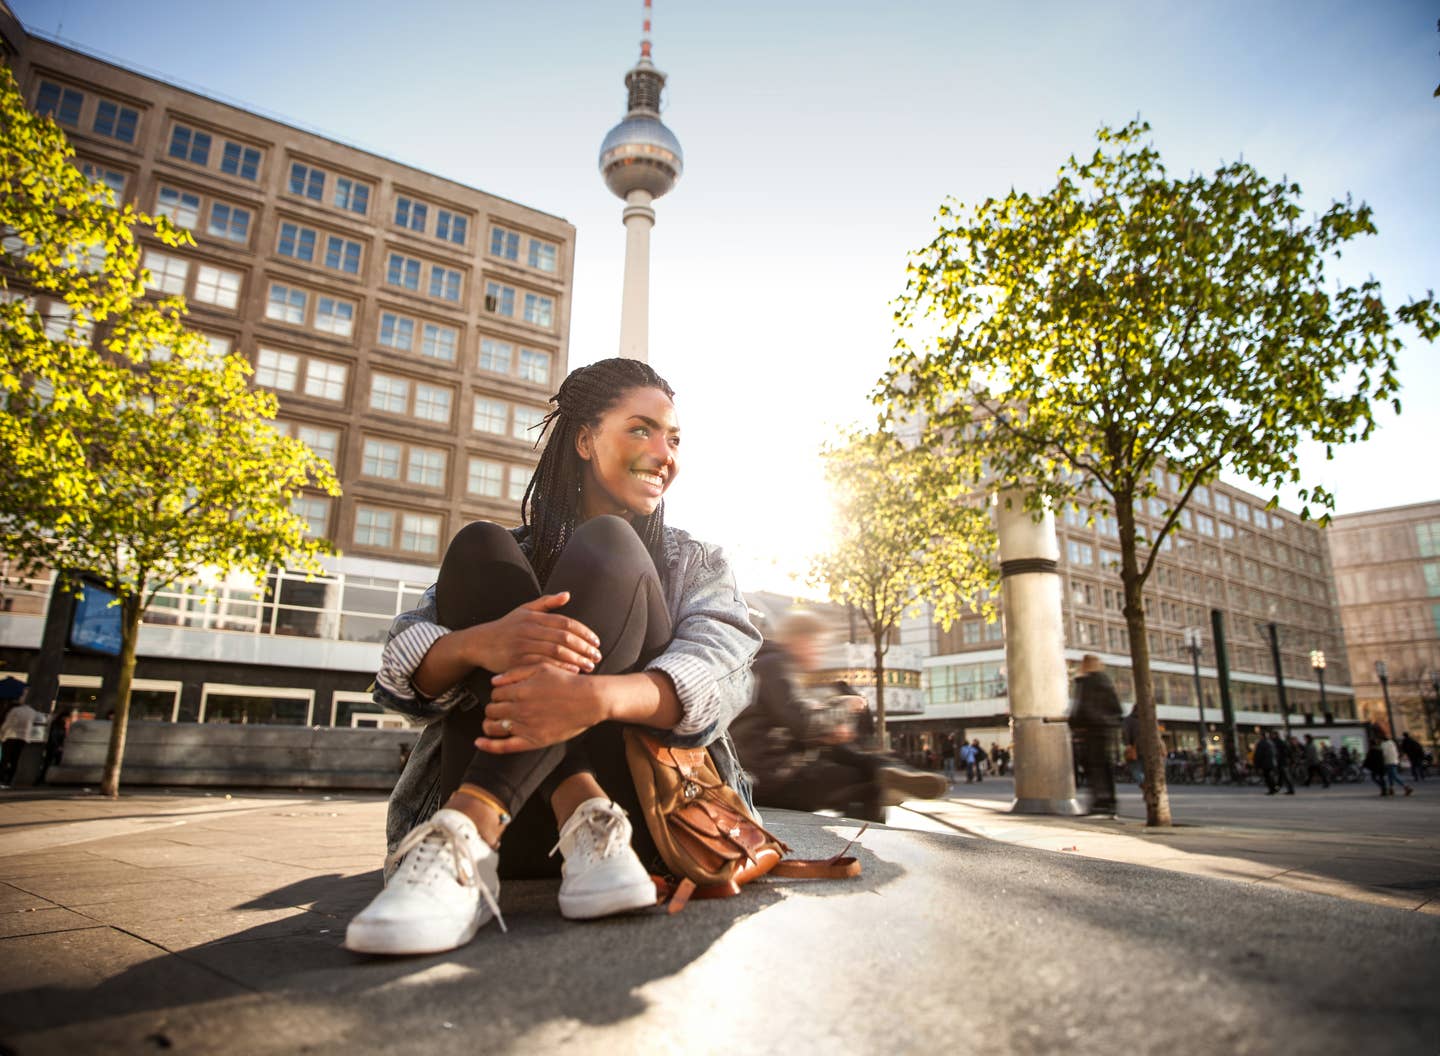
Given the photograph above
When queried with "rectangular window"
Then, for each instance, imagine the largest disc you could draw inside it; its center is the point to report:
(494, 356)
(484, 478)
(181, 207)
(432, 402)
(109, 177)
(396, 331)
(1205, 524)
(1222, 502)
(167, 273)
(1227, 530)
(1432, 578)
(450, 226)
(217, 286)
(277, 370)
(324, 442)
(504, 243)
(1080, 553)
(314, 510)
(62, 104)
(444, 283)
(526, 419)
(403, 271)
(499, 299)
(438, 342)
(190, 145)
(1201, 495)
(374, 527)
(1435, 617)
(519, 481)
(1427, 538)
(325, 380)
(352, 195)
(240, 160)
(410, 214)
(286, 304)
(334, 316)
(1242, 512)
(539, 310)
(382, 460)
(307, 182)
(230, 222)
(535, 366)
(420, 533)
(389, 393)
(115, 121)
(491, 416)
(296, 242)
(426, 466)
(542, 255)
(341, 254)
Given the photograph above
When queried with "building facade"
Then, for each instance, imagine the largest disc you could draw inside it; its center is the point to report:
(412, 327)
(1387, 574)
(1257, 565)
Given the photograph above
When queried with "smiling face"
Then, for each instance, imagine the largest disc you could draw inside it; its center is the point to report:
(631, 455)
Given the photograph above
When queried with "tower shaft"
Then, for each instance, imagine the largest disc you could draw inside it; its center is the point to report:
(635, 297)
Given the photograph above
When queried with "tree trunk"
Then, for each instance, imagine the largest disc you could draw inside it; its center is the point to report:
(880, 732)
(129, 637)
(1150, 747)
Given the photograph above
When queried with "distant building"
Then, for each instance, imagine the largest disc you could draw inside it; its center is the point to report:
(1258, 566)
(1387, 572)
(412, 327)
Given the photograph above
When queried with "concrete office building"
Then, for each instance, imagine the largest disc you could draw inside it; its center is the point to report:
(1387, 573)
(1258, 566)
(412, 327)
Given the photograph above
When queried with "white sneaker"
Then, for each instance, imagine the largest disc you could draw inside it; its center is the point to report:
(443, 890)
(602, 873)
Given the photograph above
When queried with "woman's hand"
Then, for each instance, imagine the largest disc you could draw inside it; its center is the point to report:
(538, 705)
(532, 634)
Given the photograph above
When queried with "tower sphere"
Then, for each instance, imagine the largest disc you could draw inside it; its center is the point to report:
(641, 154)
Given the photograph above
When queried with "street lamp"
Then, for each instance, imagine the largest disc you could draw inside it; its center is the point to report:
(1193, 642)
(1317, 661)
(1383, 673)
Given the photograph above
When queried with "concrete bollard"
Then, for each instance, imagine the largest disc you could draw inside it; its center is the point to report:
(1035, 659)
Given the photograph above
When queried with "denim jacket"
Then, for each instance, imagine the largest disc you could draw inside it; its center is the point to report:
(708, 660)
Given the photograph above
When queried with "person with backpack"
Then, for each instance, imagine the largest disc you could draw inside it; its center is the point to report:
(1095, 720)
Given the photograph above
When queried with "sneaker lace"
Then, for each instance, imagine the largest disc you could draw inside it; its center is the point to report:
(600, 832)
(429, 843)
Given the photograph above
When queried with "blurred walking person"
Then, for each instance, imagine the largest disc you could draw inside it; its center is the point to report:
(1391, 756)
(1313, 763)
(1094, 719)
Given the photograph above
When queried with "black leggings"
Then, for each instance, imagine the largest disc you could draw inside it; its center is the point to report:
(615, 591)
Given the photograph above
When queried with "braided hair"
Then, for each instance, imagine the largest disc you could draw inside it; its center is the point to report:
(551, 505)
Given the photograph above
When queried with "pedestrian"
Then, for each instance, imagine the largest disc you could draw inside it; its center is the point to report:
(947, 757)
(520, 740)
(55, 742)
(1313, 763)
(1375, 759)
(1412, 750)
(1264, 761)
(1391, 757)
(1095, 720)
(799, 751)
(978, 760)
(16, 730)
(1283, 758)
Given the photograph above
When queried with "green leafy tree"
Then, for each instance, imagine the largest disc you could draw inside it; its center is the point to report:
(1126, 320)
(893, 555)
(131, 451)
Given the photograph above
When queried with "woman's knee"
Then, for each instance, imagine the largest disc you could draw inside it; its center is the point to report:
(480, 539)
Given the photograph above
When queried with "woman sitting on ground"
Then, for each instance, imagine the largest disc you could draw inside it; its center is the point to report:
(525, 691)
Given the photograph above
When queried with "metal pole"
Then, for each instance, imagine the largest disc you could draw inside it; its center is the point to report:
(1227, 708)
(1192, 639)
(1279, 677)
(1323, 709)
(1384, 674)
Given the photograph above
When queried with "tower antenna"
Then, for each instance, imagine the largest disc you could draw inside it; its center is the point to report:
(645, 34)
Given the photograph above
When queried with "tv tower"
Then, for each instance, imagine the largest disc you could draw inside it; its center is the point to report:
(640, 160)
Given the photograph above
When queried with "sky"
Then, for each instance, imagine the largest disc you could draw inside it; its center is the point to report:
(820, 137)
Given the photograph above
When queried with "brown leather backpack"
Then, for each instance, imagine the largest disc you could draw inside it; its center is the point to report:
(703, 830)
